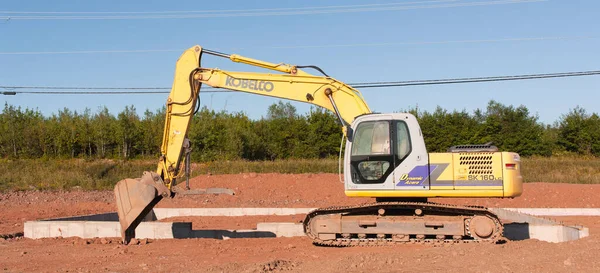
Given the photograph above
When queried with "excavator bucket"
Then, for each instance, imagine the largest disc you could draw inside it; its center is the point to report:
(135, 198)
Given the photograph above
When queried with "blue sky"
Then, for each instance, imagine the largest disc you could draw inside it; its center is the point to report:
(405, 57)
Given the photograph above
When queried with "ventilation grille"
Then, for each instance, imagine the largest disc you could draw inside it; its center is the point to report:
(480, 163)
(473, 148)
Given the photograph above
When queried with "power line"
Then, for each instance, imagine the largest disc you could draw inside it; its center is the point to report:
(477, 80)
(84, 88)
(220, 11)
(89, 92)
(434, 42)
(267, 13)
(87, 52)
(521, 39)
(364, 85)
(106, 92)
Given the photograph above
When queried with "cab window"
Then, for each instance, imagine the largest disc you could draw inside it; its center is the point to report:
(402, 140)
(372, 138)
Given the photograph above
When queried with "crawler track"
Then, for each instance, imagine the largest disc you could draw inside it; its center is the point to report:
(458, 213)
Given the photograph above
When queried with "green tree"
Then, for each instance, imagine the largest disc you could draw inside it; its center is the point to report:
(514, 129)
(86, 133)
(65, 133)
(442, 129)
(281, 134)
(223, 136)
(12, 126)
(579, 132)
(128, 124)
(324, 134)
(284, 132)
(104, 131)
(151, 132)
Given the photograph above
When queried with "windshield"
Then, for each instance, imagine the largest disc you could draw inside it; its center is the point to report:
(372, 138)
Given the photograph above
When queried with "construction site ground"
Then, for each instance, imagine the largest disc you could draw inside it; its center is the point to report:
(18, 254)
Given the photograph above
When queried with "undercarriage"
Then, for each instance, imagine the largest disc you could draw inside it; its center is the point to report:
(384, 223)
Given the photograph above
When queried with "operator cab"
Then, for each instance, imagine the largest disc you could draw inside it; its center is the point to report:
(386, 158)
(381, 149)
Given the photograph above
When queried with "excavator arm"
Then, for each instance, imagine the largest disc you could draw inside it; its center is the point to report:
(338, 97)
(135, 198)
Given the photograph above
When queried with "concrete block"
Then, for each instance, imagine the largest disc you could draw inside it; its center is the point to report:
(519, 224)
(514, 231)
(41, 231)
(248, 211)
(28, 229)
(558, 211)
(162, 213)
(511, 216)
(236, 212)
(58, 229)
(547, 233)
(162, 230)
(174, 213)
(104, 229)
(181, 212)
(93, 229)
(111, 216)
(77, 229)
(89, 229)
(287, 211)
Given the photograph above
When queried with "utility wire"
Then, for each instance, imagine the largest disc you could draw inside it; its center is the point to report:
(92, 92)
(267, 13)
(315, 46)
(431, 42)
(84, 88)
(476, 80)
(87, 52)
(13, 90)
(221, 11)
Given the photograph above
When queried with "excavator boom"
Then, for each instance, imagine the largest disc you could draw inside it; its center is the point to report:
(135, 198)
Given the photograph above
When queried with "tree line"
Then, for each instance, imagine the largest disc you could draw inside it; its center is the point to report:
(281, 134)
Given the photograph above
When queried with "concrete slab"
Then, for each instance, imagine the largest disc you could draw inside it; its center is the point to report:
(162, 213)
(548, 233)
(95, 229)
(148, 230)
(558, 211)
(518, 225)
(512, 216)
(513, 231)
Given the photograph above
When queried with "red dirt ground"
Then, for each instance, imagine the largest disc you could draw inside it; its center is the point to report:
(284, 254)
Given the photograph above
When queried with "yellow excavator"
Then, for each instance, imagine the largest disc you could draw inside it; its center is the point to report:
(385, 158)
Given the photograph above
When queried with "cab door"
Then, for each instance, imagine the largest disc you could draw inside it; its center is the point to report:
(370, 155)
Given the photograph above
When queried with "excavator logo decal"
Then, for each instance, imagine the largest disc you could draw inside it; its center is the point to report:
(250, 84)
(416, 176)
